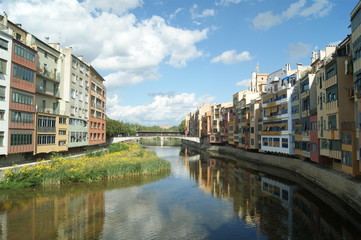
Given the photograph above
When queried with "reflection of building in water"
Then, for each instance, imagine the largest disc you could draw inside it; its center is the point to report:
(71, 217)
(321, 219)
(279, 209)
(208, 175)
(3, 235)
(283, 193)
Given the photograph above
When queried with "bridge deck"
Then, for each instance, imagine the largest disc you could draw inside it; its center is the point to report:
(124, 139)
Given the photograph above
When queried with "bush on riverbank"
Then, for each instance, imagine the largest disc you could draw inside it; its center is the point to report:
(121, 159)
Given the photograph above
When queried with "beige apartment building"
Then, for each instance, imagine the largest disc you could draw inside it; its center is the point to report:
(335, 110)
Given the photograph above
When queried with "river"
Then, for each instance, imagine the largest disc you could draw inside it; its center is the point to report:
(202, 198)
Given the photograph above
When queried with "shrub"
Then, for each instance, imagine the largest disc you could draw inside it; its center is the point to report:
(129, 159)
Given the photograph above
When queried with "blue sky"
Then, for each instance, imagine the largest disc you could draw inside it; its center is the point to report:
(163, 58)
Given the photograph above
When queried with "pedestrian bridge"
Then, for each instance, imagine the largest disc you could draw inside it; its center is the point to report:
(162, 137)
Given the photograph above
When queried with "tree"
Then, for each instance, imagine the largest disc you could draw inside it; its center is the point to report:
(182, 127)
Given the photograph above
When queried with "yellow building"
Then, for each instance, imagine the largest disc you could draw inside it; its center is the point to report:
(335, 111)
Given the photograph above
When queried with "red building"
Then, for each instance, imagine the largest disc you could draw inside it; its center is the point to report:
(22, 95)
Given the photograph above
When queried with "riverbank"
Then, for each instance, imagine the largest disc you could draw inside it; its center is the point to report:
(341, 186)
(119, 160)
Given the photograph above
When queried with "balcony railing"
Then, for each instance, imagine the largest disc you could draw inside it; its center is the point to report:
(43, 90)
(48, 110)
(49, 75)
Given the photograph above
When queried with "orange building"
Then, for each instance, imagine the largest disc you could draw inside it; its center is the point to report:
(97, 126)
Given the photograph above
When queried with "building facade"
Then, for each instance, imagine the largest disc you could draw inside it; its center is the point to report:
(97, 108)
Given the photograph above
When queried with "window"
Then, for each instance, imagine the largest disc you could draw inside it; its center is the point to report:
(335, 145)
(295, 109)
(324, 144)
(72, 93)
(252, 129)
(331, 93)
(24, 52)
(347, 158)
(1, 139)
(46, 123)
(284, 142)
(332, 124)
(73, 78)
(276, 142)
(22, 97)
(21, 138)
(284, 194)
(4, 44)
(331, 71)
(62, 120)
(314, 126)
(347, 138)
(86, 98)
(314, 147)
(23, 73)
(304, 86)
(3, 63)
(21, 117)
(265, 141)
(62, 143)
(46, 139)
(62, 132)
(2, 114)
(2, 93)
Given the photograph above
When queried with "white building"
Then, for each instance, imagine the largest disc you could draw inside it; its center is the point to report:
(6, 45)
(277, 132)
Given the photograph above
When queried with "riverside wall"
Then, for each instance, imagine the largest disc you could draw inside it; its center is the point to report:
(333, 185)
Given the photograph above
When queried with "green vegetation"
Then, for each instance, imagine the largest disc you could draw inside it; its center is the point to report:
(121, 159)
(116, 128)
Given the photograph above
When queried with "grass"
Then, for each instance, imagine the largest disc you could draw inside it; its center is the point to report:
(120, 159)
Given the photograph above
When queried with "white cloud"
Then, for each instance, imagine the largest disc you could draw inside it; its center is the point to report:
(173, 15)
(268, 19)
(227, 2)
(117, 7)
(231, 56)
(203, 14)
(319, 8)
(164, 109)
(298, 50)
(129, 49)
(244, 83)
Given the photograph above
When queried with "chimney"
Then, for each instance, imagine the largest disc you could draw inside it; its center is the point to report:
(5, 19)
(80, 57)
(314, 56)
(288, 68)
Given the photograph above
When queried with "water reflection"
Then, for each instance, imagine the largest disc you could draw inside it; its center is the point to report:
(279, 208)
(202, 198)
(75, 211)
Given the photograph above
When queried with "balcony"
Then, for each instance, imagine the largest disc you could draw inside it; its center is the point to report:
(47, 110)
(53, 76)
(43, 90)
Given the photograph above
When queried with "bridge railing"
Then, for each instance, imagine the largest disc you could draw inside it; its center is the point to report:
(124, 139)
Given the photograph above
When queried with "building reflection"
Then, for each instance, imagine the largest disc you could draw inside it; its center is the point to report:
(72, 216)
(277, 207)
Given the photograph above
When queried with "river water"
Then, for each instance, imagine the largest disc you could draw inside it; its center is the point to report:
(202, 198)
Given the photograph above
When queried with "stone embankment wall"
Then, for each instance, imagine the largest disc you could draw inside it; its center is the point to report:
(344, 187)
